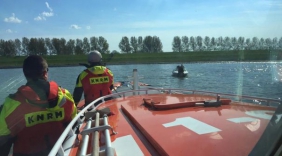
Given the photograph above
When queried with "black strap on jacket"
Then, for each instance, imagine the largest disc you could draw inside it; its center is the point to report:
(6, 147)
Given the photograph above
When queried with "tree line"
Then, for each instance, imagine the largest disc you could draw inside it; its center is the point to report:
(54, 46)
(186, 44)
(60, 46)
(150, 44)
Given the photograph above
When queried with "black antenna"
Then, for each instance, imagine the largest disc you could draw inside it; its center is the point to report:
(85, 65)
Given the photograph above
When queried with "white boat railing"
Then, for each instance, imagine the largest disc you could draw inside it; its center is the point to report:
(68, 135)
(60, 151)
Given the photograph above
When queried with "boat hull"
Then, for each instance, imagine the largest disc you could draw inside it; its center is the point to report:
(144, 120)
(176, 74)
(230, 129)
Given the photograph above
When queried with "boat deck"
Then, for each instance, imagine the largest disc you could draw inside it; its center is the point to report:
(157, 121)
(231, 129)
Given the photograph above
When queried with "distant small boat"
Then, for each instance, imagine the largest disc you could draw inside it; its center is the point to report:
(176, 73)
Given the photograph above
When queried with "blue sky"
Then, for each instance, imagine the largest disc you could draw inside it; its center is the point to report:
(114, 19)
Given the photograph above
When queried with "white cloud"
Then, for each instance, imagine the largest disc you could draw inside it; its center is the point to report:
(45, 14)
(48, 6)
(88, 27)
(48, 14)
(13, 19)
(74, 26)
(9, 31)
(39, 18)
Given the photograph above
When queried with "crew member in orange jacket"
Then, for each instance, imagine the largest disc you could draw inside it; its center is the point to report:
(95, 81)
(35, 116)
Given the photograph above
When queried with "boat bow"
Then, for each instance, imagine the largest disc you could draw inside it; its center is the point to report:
(158, 121)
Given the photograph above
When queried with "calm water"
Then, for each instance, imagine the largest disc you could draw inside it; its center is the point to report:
(253, 79)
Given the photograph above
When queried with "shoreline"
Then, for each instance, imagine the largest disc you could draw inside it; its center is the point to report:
(129, 63)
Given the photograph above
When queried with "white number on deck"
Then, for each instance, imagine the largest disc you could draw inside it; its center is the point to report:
(193, 124)
(200, 127)
(263, 114)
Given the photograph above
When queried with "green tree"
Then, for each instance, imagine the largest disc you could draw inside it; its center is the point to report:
(213, 43)
(274, 43)
(280, 43)
(140, 44)
(262, 45)
(10, 48)
(255, 43)
(207, 42)
(32, 46)
(193, 43)
(124, 45)
(94, 43)
(227, 43)
(176, 44)
(157, 45)
(234, 43)
(103, 45)
(220, 44)
(49, 46)
(114, 52)
(199, 41)
(62, 46)
(241, 42)
(185, 43)
(148, 44)
(70, 46)
(25, 43)
(248, 44)
(78, 47)
(268, 43)
(18, 46)
(41, 48)
(86, 45)
(134, 44)
(56, 44)
(2, 47)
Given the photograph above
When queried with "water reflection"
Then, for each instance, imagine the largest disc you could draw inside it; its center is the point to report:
(178, 136)
(12, 83)
(215, 136)
(254, 125)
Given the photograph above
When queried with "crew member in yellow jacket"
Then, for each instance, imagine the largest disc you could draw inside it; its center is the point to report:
(35, 116)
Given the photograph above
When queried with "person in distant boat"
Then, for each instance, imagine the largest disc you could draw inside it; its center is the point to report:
(180, 69)
(36, 115)
(95, 81)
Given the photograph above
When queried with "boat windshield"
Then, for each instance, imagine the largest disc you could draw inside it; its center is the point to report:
(233, 47)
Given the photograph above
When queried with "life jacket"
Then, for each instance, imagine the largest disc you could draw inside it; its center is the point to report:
(96, 85)
(36, 124)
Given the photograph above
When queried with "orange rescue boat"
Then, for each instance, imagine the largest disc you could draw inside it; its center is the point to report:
(143, 120)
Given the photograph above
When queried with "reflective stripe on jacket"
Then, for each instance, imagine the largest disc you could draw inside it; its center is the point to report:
(96, 82)
(35, 124)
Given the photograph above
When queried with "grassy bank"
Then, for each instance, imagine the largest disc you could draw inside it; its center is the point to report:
(148, 58)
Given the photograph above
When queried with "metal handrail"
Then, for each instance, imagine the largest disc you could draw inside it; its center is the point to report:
(268, 100)
(57, 146)
(85, 138)
(61, 139)
(95, 137)
(109, 150)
